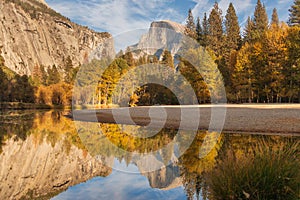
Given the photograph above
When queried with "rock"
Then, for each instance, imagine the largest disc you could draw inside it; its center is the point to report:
(31, 169)
(32, 34)
(161, 35)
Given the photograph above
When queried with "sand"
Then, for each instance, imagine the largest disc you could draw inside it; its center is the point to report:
(282, 119)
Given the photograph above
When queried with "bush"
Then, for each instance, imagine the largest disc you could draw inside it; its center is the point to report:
(270, 173)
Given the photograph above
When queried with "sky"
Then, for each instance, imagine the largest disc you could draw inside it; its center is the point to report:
(128, 16)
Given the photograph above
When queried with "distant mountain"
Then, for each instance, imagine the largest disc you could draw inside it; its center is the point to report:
(161, 35)
(31, 33)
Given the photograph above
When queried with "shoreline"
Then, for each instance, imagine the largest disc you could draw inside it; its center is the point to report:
(281, 119)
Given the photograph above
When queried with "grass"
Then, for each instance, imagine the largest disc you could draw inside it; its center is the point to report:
(270, 173)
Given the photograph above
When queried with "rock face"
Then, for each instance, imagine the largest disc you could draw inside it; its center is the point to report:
(162, 35)
(31, 169)
(32, 34)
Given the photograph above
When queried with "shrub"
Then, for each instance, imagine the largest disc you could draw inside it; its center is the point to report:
(270, 173)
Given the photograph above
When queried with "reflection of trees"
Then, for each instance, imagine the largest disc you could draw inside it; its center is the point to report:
(14, 123)
(50, 125)
(231, 152)
(194, 168)
(111, 140)
(257, 167)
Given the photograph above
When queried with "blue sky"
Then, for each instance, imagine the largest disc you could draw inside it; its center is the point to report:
(127, 15)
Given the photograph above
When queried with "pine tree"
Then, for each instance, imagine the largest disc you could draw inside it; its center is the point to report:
(233, 37)
(190, 28)
(68, 68)
(167, 59)
(205, 29)
(215, 37)
(294, 19)
(199, 31)
(249, 31)
(233, 41)
(54, 76)
(275, 18)
(260, 20)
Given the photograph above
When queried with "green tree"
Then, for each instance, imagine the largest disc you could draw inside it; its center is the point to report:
(275, 18)
(190, 28)
(292, 68)
(3, 85)
(215, 37)
(260, 20)
(249, 31)
(232, 29)
(294, 19)
(205, 28)
(167, 59)
(199, 31)
(54, 76)
(128, 56)
(68, 68)
(233, 41)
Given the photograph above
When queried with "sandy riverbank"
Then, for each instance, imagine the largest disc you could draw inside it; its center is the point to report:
(242, 118)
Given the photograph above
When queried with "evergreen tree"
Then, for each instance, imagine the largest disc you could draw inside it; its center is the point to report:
(233, 41)
(294, 19)
(128, 56)
(215, 37)
(275, 18)
(233, 37)
(167, 59)
(260, 20)
(54, 76)
(249, 31)
(199, 31)
(68, 68)
(205, 29)
(190, 28)
(44, 75)
(3, 85)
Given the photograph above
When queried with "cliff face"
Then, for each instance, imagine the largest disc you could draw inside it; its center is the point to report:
(161, 35)
(32, 34)
(31, 169)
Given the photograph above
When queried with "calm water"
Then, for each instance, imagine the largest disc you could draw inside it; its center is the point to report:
(45, 155)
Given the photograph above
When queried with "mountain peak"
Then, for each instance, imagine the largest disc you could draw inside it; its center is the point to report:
(169, 25)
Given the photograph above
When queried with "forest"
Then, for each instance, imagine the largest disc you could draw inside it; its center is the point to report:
(259, 63)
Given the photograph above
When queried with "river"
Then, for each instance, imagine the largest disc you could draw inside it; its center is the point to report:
(45, 155)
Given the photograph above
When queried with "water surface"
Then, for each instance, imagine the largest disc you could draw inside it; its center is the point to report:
(45, 155)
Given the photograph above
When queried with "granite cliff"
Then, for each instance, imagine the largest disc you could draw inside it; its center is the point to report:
(31, 33)
(161, 35)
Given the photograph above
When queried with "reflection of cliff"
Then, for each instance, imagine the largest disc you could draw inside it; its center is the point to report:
(47, 161)
(165, 178)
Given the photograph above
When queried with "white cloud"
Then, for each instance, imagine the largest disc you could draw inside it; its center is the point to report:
(114, 16)
(127, 15)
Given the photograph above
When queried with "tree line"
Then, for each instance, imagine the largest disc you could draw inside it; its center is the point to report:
(49, 86)
(260, 63)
